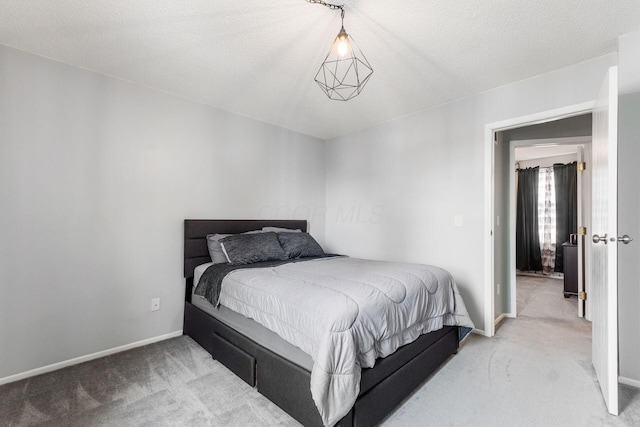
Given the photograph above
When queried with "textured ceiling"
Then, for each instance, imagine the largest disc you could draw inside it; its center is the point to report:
(258, 58)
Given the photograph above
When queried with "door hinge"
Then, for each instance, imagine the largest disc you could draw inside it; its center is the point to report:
(582, 296)
(582, 166)
(582, 231)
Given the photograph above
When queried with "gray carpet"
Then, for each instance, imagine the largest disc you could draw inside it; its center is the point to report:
(535, 372)
(171, 383)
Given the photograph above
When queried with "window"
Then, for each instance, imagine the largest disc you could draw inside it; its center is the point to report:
(547, 218)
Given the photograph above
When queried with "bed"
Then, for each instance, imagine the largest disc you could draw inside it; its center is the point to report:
(279, 370)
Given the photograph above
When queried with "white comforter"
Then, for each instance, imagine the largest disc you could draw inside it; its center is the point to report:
(345, 313)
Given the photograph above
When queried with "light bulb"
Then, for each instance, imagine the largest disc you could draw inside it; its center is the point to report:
(343, 43)
(343, 46)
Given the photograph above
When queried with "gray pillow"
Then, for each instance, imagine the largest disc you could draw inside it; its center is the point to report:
(281, 230)
(251, 248)
(299, 245)
(215, 250)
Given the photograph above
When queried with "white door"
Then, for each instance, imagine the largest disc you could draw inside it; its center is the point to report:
(604, 261)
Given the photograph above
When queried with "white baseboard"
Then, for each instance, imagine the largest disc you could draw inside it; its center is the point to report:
(88, 357)
(498, 320)
(629, 382)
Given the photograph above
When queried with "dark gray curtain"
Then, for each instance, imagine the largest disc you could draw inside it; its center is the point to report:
(566, 183)
(528, 257)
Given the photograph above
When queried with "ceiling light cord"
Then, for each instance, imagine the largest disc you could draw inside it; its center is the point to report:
(329, 5)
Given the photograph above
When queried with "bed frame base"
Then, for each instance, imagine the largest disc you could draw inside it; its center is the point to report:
(373, 406)
(287, 384)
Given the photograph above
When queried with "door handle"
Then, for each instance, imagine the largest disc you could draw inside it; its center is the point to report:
(598, 239)
(625, 239)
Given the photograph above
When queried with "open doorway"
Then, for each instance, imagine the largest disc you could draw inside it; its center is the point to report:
(563, 141)
(550, 202)
(546, 205)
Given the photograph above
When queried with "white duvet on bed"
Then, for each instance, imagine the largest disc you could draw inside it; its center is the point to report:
(345, 313)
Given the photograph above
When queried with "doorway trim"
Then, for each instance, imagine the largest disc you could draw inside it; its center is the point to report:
(489, 178)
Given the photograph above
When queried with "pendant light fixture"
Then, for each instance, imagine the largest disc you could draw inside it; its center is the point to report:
(345, 70)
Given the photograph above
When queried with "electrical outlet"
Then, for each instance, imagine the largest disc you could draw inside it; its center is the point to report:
(498, 288)
(457, 221)
(155, 304)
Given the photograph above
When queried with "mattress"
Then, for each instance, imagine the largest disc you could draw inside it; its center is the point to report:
(250, 328)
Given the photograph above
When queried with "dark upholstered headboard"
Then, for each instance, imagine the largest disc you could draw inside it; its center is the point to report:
(196, 230)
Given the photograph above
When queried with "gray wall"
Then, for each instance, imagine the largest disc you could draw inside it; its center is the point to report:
(501, 226)
(409, 177)
(563, 128)
(546, 162)
(629, 207)
(96, 177)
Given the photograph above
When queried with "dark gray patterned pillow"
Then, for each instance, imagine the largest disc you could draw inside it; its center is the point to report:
(215, 250)
(250, 248)
(299, 245)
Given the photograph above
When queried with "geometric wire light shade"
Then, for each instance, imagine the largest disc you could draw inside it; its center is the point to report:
(345, 70)
(342, 77)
